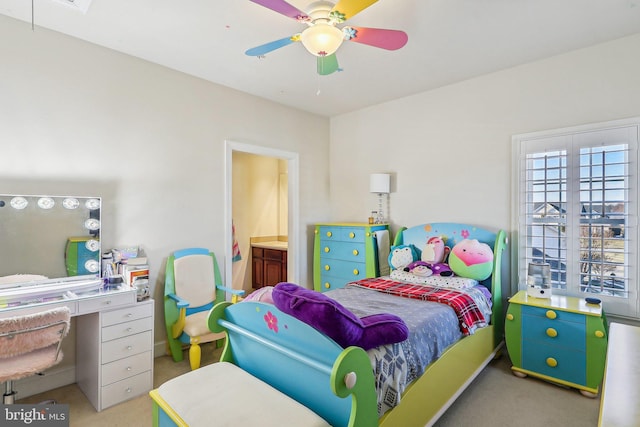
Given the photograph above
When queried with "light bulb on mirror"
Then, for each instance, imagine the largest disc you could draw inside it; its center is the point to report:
(70, 203)
(92, 224)
(19, 203)
(46, 203)
(92, 245)
(92, 266)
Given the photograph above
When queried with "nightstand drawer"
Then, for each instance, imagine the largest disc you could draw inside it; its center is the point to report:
(125, 368)
(555, 362)
(553, 314)
(555, 332)
(343, 250)
(126, 389)
(127, 346)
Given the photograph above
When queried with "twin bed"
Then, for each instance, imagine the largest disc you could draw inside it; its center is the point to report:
(406, 383)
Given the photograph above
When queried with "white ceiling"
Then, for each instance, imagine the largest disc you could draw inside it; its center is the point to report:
(449, 41)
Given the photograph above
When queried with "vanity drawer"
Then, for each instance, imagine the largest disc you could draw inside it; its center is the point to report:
(127, 328)
(137, 311)
(127, 346)
(125, 368)
(126, 389)
(91, 305)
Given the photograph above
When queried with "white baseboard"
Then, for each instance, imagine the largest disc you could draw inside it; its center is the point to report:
(160, 349)
(59, 377)
(51, 379)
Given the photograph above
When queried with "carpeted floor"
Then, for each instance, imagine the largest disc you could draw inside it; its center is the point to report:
(495, 398)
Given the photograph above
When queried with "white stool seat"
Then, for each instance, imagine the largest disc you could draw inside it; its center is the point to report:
(222, 394)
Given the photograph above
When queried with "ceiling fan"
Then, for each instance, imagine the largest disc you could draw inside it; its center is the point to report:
(323, 37)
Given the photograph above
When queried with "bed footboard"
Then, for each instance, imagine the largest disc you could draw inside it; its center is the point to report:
(299, 361)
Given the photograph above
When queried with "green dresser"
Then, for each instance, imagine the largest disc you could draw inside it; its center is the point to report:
(344, 252)
(560, 339)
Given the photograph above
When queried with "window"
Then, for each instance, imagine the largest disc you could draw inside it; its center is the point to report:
(577, 193)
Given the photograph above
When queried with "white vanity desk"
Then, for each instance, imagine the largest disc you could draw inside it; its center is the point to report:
(114, 335)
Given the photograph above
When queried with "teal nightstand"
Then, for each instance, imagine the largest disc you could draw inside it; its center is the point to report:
(559, 339)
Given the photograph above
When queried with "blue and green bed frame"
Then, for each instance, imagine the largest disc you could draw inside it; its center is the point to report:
(337, 383)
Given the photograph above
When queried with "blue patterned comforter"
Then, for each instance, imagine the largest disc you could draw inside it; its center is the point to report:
(432, 328)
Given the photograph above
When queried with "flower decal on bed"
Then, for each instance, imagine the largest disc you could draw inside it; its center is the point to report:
(465, 234)
(271, 321)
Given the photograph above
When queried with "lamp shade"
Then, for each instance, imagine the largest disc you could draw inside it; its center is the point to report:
(379, 183)
(322, 39)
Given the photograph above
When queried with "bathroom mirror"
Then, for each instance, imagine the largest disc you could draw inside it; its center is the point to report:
(51, 236)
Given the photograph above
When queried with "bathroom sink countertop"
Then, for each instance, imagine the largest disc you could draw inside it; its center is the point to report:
(274, 244)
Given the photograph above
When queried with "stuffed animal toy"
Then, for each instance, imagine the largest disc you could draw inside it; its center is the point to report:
(435, 251)
(441, 269)
(402, 255)
(472, 259)
(419, 268)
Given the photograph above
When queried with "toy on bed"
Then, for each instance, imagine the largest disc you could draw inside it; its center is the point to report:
(472, 259)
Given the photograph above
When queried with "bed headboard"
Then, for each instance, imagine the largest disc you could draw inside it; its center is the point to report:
(454, 233)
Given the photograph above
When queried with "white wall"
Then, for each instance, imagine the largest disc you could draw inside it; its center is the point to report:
(450, 148)
(79, 119)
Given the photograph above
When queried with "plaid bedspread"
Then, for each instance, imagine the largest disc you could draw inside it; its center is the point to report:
(469, 314)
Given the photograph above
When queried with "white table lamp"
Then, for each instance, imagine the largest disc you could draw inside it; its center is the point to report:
(380, 183)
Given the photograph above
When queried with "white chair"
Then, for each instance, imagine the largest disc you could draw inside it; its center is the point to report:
(30, 344)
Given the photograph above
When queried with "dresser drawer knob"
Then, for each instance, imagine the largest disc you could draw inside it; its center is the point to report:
(552, 332)
(509, 316)
(128, 368)
(352, 235)
(129, 314)
(326, 249)
(327, 268)
(599, 334)
(355, 252)
(356, 271)
(129, 347)
(327, 285)
(551, 314)
(552, 362)
(329, 234)
(129, 390)
(129, 329)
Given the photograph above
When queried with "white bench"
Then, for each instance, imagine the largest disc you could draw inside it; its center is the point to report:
(620, 404)
(222, 394)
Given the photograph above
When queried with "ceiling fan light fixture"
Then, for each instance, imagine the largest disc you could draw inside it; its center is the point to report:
(322, 39)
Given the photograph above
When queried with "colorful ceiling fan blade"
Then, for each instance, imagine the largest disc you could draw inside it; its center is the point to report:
(284, 8)
(378, 37)
(347, 9)
(271, 46)
(327, 64)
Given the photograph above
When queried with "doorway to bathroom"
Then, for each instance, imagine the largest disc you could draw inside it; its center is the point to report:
(261, 215)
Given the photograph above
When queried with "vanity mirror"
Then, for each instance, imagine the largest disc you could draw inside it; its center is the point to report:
(51, 236)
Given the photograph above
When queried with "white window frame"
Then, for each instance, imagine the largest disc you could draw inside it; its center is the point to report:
(572, 139)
